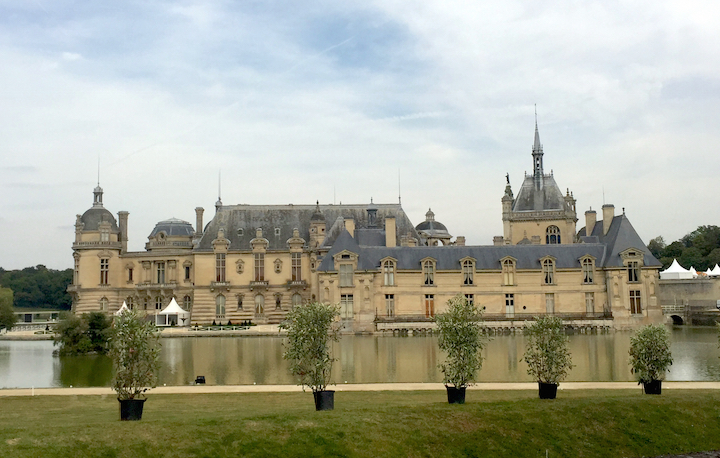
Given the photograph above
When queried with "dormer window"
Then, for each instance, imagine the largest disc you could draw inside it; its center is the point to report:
(588, 271)
(428, 273)
(633, 268)
(548, 270)
(277, 231)
(389, 272)
(240, 232)
(468, 269)
(508, 269)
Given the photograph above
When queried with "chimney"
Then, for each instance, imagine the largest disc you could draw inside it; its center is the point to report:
(460, 240)
(498, 240)
(590, 219)
(608, 215)
(350, 226)
(199, 220)
(390, 232)
(123, 219)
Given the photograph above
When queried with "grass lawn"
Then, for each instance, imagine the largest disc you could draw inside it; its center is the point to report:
(607, 423)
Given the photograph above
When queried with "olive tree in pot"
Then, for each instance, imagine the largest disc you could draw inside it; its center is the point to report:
(461, 337)
(650, 356)
(311, 329)
(547, 354)
(135, 352)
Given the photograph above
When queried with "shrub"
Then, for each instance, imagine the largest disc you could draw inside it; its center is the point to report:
(311, 329)
(650, 353)
(546, 352)
(135, 352)
(460, 336)
(7, 314)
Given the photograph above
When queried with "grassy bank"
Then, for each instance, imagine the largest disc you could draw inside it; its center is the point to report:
(604, 423)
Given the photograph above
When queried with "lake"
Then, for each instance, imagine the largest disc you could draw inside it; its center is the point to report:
(360, 359)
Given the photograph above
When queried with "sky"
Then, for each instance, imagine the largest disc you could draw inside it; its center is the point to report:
(341, 102)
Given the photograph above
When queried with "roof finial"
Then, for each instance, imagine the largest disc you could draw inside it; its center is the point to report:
(399, 193)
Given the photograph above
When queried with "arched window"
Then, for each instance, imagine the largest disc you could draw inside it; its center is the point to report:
(220, 306)
(468, 269)
(296, 300)
(259, 304)
(508, 268)
(552, 235)
(389, 273)
(548, 266)
(429, 272)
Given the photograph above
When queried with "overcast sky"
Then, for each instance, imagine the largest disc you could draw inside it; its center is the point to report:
(300, 101)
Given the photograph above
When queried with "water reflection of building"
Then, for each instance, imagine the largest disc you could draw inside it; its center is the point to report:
(256, 262)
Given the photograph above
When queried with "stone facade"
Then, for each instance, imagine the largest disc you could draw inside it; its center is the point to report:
(256, 262)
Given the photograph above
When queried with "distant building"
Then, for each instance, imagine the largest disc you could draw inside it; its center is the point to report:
(257, 262)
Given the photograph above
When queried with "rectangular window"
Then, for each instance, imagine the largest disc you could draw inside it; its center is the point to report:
(130, 275)
(635, 304)
(346, 306)
(220, 267)
(590, 302)
(296, 266)
(633, 272)
(548, 271)
(550, 304)
(104, 269)
(259, 266)
(390, 305)
(389, 273)
(587, 270)
(346, 275)
(468, 268)
(76, 272)
(429, 305)
(160, 272)
(158, 303)
(470, 298)
(145, 303)
(510, 305)
(429, 273)
(508, 272)
(187, 272)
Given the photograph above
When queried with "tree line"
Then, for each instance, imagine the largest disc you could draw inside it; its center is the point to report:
(699, 249)
(38, 287)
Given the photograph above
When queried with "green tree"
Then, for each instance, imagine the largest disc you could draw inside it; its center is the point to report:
(693, 257)
(7, 315)
(310, 331)
(650, 353)
(461, 337)
(135, 352)
(77, 335)
(39, 287)
(546, 353)
(656, 246)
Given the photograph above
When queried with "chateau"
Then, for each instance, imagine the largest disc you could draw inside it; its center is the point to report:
(256, 262)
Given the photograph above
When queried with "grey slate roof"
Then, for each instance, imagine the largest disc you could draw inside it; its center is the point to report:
(173, 227)
(449, 257)
(94, 216)
(241, 221)
(549, 197)
(619, 238)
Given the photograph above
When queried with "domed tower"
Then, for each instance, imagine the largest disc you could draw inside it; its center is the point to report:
(171, 234)
(431, 231)
(99, 245)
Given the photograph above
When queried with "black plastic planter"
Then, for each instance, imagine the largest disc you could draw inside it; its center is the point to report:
(653, 387)
(455, 395)
(547, 390)
(324, 400)
(131, 409)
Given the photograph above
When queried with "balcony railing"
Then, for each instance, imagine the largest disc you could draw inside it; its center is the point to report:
(172, 284)
(258, 284)
(296, 284)
(407, 318)
(97, 244)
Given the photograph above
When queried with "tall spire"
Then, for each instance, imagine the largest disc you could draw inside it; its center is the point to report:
(537, 153)
(98, 191)
(218, 204)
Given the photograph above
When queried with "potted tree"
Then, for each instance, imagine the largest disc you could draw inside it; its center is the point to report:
(547, 354)
(311, 329)
(135, 353)
(650, 356)
(461, 337)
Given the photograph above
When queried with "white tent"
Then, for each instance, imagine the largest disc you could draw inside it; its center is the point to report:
(715, 272)
(173, 315)
(123, 308)
(693, 272)
(675, 272)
